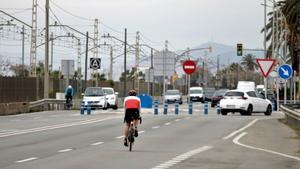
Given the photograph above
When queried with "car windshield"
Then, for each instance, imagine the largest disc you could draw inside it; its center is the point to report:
(196, 91)
(220, 92)
(172, 92)
(108, 91)
(94, 92)
(234, 94)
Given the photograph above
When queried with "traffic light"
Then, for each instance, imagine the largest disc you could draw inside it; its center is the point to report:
(239, 49)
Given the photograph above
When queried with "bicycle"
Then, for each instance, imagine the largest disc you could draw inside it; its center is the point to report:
(131, 131)
(68, 104)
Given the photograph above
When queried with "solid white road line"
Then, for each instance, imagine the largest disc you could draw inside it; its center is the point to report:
(26, 160)
(236, 141)
(167, 123)
(65, 150)
(182, 157)
(156, 127)
(96, 144)
(240, 130)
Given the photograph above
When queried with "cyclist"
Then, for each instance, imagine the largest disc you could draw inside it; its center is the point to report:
(69, 93)
(132, 106)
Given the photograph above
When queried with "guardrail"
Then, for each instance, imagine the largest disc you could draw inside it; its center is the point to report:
(292, 116)
(47, 104)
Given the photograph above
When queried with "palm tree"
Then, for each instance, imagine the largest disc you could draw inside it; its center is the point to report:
(291, 16)
(249, 63)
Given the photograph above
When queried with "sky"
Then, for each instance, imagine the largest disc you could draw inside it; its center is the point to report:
(184, 23)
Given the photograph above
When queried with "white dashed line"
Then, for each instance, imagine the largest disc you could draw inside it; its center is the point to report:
(182, 157)
(26, 160)
(119, 137)
(140, 132)
(65, 150)
(240, 130)
(177, 120)
(156, 127)
(167, 123)
(96, 144)
(237, 138)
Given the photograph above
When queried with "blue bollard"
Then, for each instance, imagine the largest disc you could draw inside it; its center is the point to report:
(273, 106)
(82, 108)
(156, 107)
(165, 107)
(190, 107)
(89, 108)
(206, 108)
(176, 108)
(218, 109)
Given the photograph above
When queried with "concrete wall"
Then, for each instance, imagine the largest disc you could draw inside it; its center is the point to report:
(14, 108)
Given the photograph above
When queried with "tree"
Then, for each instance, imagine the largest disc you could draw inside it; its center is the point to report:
(20, 70)
(249, 62)
(100, 77)
(4, 67)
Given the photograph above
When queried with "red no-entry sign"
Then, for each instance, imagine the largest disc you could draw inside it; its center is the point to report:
(189, 66)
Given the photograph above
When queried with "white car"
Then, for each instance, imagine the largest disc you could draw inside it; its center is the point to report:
(245, 102)
(111, 97)
(172, 96)
(196, 94)
(96, 97)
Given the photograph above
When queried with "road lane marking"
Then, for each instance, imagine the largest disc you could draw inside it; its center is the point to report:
(237, 138)
(240, 130)
(119, 137)
(96, 144)
(59, 126)
(65, 150)
(27, 159)
(177, 120)
(167, 123)
(140, 132)
(156, 127)
(187, 118)
(182, 157)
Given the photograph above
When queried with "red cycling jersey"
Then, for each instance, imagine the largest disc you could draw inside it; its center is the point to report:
(132, 102)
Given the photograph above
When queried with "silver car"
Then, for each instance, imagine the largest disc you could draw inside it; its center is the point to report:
(171, 96)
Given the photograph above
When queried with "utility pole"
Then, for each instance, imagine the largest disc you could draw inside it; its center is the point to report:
(46, 66)
(188, 76)
(96, 40)
(23, 49)
(52, 44)
(151, 84)
(218, 74)
(125, 55)
(33, 40)
(79, 80)
(111, 64)
(86, 58)
(164, 66)
(137, 60)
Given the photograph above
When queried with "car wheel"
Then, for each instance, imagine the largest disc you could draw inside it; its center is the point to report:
(115, 107)
(268, 111)
(223, 112)
(212, 105)
(249, 110)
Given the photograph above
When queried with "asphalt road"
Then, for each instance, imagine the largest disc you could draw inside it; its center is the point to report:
(68, 140)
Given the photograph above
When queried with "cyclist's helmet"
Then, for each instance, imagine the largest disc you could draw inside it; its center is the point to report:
(132, 93)
(69, 86)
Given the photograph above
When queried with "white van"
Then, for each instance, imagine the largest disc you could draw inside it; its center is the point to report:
(246, 86)
(196, 94)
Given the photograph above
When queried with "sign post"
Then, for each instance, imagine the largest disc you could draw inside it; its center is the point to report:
(285, 71)
(189, 67)
(266, 66)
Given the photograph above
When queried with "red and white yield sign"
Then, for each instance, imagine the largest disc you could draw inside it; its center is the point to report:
(189, 66)
(265, 65)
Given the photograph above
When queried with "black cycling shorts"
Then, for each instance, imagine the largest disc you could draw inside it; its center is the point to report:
(131, 114)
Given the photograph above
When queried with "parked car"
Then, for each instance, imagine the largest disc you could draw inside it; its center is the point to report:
(172, 96)
(96, 96)
(246, 86)
(196, 94)
(218, 95)
(209, 92)
(111, 97)
(245, 102)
